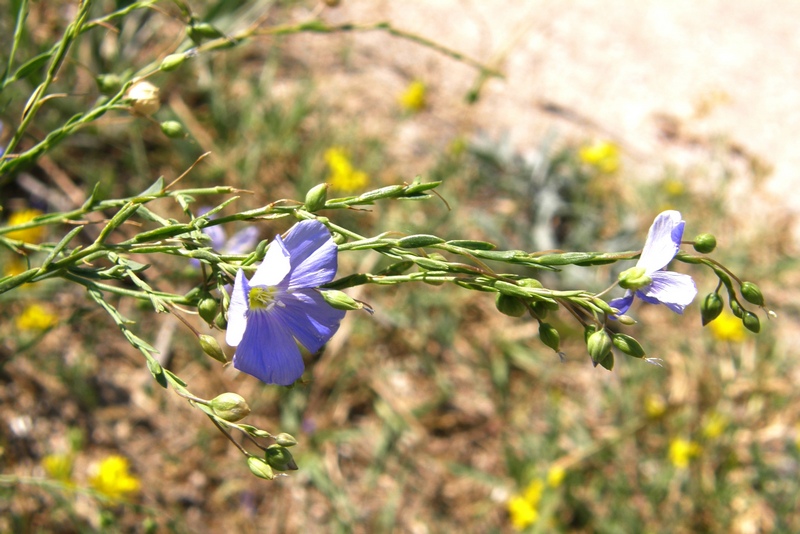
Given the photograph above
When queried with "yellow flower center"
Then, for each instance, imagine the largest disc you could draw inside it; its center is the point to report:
(262, 298)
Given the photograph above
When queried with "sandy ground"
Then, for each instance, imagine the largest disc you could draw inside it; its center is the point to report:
(662, 78)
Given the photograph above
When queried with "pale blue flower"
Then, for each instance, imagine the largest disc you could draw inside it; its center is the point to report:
(279, 307)
(647, 280)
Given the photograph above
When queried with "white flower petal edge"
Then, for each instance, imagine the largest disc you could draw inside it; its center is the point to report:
(663, 241)
(237, 310)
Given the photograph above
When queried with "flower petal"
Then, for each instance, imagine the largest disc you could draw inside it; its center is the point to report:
(237, 310)
(311, 320)
(275, 267)
(313, 254)
(674, 290)
(242, 241)
(622, 303)
(663, 241)
(268, 351)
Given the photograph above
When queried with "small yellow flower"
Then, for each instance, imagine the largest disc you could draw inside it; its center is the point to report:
(654, 406)
(727, 327)
(715, 425)
(36, 317)
(522, 513)
(413, 98)
(681, 452)
(602, 156)
(29, 235)
(555, 476)
(343, 177)
(58, 466)
(673, 187)
(113, 480)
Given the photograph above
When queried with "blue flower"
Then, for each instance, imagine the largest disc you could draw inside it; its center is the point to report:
(647, 280)
(279, 307)
(242, 241)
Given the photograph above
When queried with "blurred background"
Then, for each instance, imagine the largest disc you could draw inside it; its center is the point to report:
(437, 413)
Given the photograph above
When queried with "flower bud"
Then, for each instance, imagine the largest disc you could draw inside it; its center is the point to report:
(736, 309)
(108, 83)
(208, 308)
(705, 243)
(549, 336)
(285, 440)
(198, 31)
(316, 197)
(211, 347)
(280, 458)
(711, 308)
(751, 322)
(260, 468)
(628, 345)
(532, 283)
(626, 320)
(752, 293)
(230, 407)
(172, 129)
(221, 321)
(511, 306)
(144, 98)
(634, 278)
(340, 300)
(172, 62)
(599, 345)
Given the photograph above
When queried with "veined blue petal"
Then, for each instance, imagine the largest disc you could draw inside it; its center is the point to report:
(313, 255)
(268, 351)
(622, 303)
(311, 320)
(674, 290)
(237, 310)
(242, 241)
(663, 241)
(275, 267)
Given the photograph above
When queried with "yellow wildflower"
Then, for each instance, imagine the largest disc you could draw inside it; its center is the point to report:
(113, 480)
(681, 452)
(727, 327)
(343, 177)
(522, 513)
(29, 235)
(522, 509)
(602, 156)
(36, 317)
(58, 466)
(715, 425)
(673, 187)
(654, 406)
(413, 98)
(555, 476)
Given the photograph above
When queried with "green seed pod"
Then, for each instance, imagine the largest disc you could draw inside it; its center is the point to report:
(340, 300)
(419, 241)
(628, 345)
(752, 293)
(198, 31)
(208, 308)
(173, 129)
(108, 83)
(751, 322)
(607, 362)
(549, 336)
(711, 308)
(230, 407)
(705, 243)
(212, 348)
(511, 306)
(736, 309)
(280, 458)
(316, 197)
(599, 346)
(285, 440)
(221, 321)
(539, 309)
(172, 62)
(532, 283)
(626, 320)
(260, 468)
